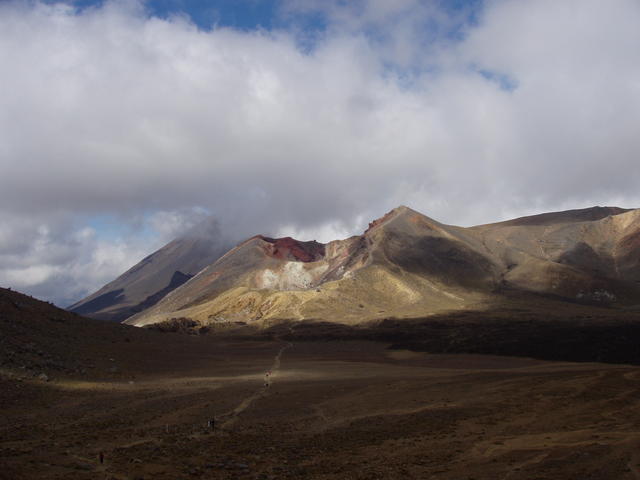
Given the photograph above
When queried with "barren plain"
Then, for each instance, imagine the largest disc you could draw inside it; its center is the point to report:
(332, 410)
(339, 402)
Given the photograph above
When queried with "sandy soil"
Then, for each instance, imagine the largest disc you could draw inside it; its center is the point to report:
(333, 410)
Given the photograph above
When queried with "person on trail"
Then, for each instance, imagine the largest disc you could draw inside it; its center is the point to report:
(212, 423)
(101, 457)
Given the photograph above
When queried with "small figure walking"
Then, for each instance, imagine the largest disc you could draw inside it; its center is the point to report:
(101, 457)
(212, 423)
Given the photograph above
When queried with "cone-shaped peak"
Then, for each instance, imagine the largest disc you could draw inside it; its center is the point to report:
(401, 209)
(401, 213)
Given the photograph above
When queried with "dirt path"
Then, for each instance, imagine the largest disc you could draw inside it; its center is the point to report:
(229, 418)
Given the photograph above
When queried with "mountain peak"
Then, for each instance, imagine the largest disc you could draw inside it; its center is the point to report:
(400, 210)
(404, 214)
(404, 210)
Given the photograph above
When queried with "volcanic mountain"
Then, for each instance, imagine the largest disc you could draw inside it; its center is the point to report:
(408, 265)
(147, 282)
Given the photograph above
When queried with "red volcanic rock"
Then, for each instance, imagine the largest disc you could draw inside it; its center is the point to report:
(288, 248)
(379, 221)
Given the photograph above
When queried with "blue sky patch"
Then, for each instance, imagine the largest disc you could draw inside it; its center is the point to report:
(504, 81)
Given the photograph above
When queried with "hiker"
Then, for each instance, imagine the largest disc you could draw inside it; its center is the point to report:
(212, 423)
(101, 456)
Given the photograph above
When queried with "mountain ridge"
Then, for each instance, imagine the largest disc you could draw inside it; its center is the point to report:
(406, 264)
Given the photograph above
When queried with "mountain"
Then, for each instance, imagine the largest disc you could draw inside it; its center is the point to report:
(588, 255)
(409, 265)
(147, 282)
(400, 264)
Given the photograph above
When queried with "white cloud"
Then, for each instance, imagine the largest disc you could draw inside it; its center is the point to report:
(55, 259)
(174, 223)
(107, 111)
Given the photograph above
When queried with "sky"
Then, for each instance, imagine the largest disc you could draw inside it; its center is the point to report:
(125, 123)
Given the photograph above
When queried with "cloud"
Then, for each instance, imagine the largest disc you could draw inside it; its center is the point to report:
(469, 115)
(168, 225)
(56, 260)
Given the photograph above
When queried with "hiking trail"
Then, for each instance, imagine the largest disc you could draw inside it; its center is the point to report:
(230, 418)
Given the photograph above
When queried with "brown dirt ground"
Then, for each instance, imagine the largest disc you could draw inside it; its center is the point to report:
(334, 410)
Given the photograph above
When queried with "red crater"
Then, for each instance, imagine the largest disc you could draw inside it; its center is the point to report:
(288, 248)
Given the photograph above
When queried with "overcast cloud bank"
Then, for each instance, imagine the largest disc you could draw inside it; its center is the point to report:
(519, 108)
